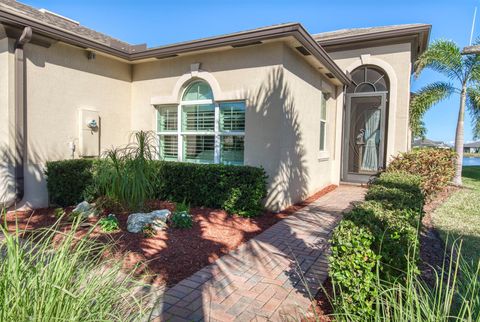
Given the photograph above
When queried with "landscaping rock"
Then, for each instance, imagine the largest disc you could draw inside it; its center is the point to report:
(85, 210)
(157, 218)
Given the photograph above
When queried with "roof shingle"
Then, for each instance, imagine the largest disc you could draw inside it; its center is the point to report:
(344, 33)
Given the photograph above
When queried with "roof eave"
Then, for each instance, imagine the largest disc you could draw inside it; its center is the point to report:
(57, 33)
(294, 29)
(420, 34)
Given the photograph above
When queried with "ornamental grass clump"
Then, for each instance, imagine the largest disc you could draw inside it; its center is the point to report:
(128, 175)
(59, 276)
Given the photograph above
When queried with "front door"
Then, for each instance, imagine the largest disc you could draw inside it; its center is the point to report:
(364, 136)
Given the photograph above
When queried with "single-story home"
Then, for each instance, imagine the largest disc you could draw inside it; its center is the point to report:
(427, 143)
(311, 109)
(472, 147)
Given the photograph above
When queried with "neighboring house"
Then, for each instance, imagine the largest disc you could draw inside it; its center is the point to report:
(472, 147)
(312, 109)
(426, 143)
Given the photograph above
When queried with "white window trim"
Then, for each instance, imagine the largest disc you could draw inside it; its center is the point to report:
(324, 154)
(180, 134)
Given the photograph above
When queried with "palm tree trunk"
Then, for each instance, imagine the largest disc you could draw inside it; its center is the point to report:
(457, 180)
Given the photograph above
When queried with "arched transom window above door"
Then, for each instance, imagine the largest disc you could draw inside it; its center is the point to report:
(368, 79)
(200, 129)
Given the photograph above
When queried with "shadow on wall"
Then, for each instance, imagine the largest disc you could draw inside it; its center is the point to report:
(7, 184)
(274, 141)
(35, 186)
(274, 135)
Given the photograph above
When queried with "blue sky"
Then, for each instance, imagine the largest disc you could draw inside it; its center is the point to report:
(163, 22)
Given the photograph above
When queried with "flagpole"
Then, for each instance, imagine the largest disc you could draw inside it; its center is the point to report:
(473, 26)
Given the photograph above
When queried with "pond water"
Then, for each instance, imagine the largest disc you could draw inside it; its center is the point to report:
(470, 161)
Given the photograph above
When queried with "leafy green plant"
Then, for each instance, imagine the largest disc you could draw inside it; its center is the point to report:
(64, 279)
(181, 219)
(182, 207)
(109, 223)
(436, 167)
(149, 231)
(352, 263)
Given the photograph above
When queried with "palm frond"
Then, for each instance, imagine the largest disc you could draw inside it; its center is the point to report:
(423, 100)
(473, 104)
(443, 56)
(472, 66)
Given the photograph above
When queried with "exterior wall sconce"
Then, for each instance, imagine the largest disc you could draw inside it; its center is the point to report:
(92, 124)
(91, 55)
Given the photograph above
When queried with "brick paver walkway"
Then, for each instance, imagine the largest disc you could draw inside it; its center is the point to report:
(269, 278)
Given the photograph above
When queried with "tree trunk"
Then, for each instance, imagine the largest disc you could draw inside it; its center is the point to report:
(457, 180)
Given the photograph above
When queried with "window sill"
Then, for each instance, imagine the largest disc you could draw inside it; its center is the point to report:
(323, 156)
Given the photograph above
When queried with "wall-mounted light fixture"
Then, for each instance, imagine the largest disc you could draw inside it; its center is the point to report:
(92, 124)
(91, 55)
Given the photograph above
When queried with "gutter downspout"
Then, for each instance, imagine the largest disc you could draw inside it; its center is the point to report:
(20, 116)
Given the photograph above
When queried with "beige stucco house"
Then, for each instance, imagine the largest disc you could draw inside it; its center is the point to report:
(312, 109)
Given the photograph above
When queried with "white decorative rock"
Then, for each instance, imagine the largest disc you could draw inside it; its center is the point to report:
(157, 218)
(85, 210)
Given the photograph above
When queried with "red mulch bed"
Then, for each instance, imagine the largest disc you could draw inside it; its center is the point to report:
(173, 254)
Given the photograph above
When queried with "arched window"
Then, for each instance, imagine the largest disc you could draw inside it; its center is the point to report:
(206, 131)
(368, 79)
(197, 91)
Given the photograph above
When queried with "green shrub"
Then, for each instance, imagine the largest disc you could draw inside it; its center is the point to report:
(67, 180)
(237, 189)
(109, 223)
(436, 167)
(398, 190)
(352, 264)
(129, 177)
(456, 298)
(382, 231)
(395, 235)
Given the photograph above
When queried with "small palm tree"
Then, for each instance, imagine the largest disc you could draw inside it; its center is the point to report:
(463, 74)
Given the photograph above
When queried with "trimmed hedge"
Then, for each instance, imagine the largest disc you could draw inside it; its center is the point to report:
(236, 189)
(67, 180)
(352, 267)
(383, 229)
(397, 190)
(436, 167)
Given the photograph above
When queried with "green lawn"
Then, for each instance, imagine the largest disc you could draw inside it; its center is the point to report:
(459, 216)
